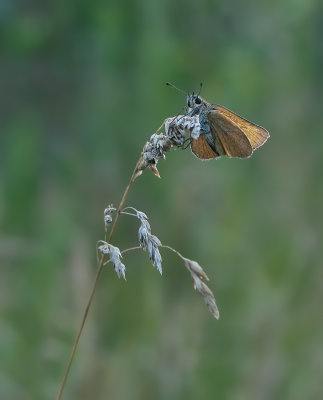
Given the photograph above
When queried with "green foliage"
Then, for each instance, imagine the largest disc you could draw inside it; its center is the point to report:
(83, 89)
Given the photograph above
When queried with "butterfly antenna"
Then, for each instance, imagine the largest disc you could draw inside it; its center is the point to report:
(174, 87)
(201, 84)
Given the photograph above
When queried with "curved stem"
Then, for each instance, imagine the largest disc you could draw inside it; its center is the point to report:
(98, 273)
(77, 338)
(173, 250)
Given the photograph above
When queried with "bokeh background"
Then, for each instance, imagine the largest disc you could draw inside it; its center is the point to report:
(82, 89)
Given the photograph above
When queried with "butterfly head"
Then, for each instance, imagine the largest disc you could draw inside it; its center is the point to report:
(193, 100)
(195, 103)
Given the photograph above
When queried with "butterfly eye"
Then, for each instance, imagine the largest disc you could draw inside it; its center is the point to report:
(198, 100)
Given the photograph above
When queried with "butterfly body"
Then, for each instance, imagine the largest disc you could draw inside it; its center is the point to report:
(222, 131)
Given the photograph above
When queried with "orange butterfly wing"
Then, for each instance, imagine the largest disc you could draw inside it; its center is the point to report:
(231, 135)
(201, 148)
(233, 140)
(256, 134)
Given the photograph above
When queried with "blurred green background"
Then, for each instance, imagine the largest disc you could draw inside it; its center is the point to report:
(82, 89)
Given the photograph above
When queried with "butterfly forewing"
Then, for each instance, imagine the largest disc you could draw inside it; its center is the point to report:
(256, 134)
(233, 140)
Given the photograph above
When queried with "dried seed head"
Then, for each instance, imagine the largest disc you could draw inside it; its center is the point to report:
(176, 135)
(153, 151)
(195, 269)
(115, 257)
(161, 144)
(107, 220)
(208, 297)
(107, 216)
(104, 248)
(155, 241)
(143, 234)
(154, 170)
(142, 216)
(154, 253)
(120, 270)
(109, 210)
(143, 220)
(149, 241)
(198, 274)
(177, 127)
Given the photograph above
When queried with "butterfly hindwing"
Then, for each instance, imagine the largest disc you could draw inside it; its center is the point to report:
(201, 148)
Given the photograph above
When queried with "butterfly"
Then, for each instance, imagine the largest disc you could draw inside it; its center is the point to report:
(222, 131)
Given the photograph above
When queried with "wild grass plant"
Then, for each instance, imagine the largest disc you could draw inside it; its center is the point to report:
(176, 130)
